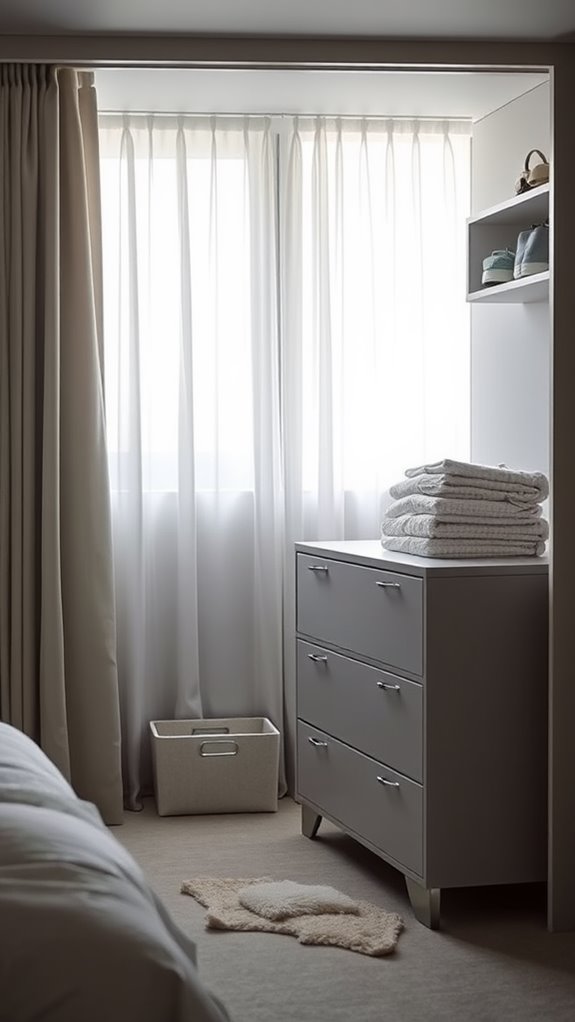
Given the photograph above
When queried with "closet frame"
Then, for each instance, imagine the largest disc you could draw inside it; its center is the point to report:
(556, 58)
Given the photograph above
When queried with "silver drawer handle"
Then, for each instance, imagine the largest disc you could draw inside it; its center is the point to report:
(318, 745)
(318, 567)
(317, 659)
(388, 784)
(388, 688)
(388, 585)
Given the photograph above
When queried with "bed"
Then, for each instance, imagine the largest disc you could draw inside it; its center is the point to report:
(82, 936)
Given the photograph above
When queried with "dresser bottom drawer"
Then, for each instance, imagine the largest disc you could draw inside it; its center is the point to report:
(350, 787)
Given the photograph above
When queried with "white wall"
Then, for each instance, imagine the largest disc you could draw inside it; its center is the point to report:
(510, 344)
(377, 93)
(502, 139)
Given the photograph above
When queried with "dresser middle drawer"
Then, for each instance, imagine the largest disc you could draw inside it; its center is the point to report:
(374, 711)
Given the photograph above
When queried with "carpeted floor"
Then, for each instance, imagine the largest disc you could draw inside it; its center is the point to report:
(492, 961)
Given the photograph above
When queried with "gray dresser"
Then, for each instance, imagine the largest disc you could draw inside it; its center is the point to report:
(422, 712)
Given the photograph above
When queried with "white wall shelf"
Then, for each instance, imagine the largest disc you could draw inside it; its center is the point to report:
(534, 288)
(498, 228)
(529, 205)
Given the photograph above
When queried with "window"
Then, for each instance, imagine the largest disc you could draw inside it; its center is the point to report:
(372, 329)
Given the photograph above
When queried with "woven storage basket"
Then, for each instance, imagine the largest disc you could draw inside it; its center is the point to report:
(225, 765)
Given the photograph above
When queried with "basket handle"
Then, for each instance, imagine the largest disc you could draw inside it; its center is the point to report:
(234, 751)
(530, 154)
(210, 731)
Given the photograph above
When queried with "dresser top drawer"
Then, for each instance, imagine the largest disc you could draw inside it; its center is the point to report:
(370, 612)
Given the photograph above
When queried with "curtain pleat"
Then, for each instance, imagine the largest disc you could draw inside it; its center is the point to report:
(188, 697)
(130, 543)
(268, 477)
(292, 421)
(57, 619)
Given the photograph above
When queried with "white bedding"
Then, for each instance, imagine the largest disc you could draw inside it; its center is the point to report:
(82, 936)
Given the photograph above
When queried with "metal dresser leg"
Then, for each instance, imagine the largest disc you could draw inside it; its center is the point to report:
(425, 903)
(310, 822)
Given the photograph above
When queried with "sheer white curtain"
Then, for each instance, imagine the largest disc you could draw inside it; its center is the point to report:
(265, 385)
(375, 325)
(193, 420)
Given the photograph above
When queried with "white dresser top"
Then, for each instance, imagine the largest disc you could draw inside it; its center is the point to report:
(371, 553)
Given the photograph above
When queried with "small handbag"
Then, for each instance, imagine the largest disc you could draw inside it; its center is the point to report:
(532, 177)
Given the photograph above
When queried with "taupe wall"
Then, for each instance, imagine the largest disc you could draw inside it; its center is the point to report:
(510, 344)
(561, 895)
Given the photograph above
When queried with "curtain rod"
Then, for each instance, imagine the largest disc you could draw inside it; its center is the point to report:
(342, 117)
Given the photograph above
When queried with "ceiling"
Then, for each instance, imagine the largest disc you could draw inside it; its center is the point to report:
(455, 19)
(406, 94)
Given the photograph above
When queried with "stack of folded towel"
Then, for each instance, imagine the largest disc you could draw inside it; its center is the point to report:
(458, 509)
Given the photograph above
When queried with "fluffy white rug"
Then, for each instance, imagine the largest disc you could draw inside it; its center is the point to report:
(370, 931)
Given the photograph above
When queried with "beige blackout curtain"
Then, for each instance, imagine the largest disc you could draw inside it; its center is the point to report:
(58, 678)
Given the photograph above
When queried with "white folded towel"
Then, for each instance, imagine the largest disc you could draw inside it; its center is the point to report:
(466, 480)
(449, 509)
(429, 526)
(463, 490)
(449, 548)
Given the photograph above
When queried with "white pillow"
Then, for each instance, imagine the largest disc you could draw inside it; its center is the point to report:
(283, 899)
